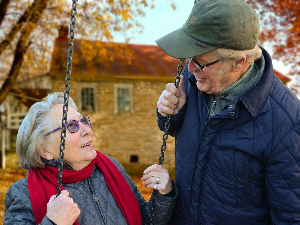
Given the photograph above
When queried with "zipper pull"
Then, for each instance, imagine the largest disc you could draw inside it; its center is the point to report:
(97, 200)
(214, 105)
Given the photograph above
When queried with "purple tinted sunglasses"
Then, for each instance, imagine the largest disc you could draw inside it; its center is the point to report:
(73, 125)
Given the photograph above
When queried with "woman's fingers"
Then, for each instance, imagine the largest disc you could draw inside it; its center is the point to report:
(62, 209)
(157, 177)
(155, 167)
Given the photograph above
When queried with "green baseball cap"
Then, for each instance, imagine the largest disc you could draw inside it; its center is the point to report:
(212, 24)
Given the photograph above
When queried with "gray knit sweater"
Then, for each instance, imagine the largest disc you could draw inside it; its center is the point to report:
(96, 203)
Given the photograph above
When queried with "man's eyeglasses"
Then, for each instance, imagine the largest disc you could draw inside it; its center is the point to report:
(73, 125)
(206, 65)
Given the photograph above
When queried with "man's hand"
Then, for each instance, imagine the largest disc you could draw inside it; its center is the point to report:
(172, 99)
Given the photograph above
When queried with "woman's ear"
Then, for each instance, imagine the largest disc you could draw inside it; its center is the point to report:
(46, 155)
(238, 65)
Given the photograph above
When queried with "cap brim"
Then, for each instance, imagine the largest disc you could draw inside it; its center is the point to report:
(180, 45)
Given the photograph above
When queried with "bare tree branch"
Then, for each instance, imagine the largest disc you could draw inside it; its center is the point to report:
(22, 20)
(22, 46)
(3, 8)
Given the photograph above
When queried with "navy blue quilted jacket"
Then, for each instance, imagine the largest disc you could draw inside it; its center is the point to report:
(243, 165)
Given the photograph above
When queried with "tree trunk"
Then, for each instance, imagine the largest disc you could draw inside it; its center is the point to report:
(21, 48)
(34, 8)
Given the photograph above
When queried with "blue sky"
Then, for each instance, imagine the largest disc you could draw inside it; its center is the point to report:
(163, 19)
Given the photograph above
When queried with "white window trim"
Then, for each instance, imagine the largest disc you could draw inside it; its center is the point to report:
(130, 87)
(87, 85)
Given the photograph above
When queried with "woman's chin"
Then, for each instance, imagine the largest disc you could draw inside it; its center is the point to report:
(88, 154)
(93, 153)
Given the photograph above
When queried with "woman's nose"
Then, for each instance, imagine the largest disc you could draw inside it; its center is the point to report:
(85, 129)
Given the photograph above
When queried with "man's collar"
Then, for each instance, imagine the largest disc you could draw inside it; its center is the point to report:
(256, 97)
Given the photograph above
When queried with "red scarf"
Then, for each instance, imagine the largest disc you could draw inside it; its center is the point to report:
(42, 185)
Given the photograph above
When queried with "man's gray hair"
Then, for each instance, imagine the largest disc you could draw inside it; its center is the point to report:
(251, 55)
(31, 140)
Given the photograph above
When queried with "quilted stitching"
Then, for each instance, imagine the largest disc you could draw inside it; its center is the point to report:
(260, 147)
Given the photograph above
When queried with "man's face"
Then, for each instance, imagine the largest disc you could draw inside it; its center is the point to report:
(214, 78)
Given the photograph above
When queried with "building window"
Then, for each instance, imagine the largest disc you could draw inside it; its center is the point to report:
(123, 98)
(134, 159)
(87, 99)
(87, 94)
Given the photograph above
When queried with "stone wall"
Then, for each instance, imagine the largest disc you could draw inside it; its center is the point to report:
(128, 134)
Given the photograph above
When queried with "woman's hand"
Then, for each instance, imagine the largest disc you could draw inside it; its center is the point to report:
(62, 210)
(157, 177)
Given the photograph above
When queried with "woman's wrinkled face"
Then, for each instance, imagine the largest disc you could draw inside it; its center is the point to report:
(79, 149)
(213, 78)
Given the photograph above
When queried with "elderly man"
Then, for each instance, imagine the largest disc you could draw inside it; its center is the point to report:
(237, 127)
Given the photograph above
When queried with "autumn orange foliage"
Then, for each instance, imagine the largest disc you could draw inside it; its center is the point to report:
(28, 26)
(280, 23)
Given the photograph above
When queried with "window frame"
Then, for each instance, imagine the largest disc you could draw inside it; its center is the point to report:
(79, 87)
(125, 86)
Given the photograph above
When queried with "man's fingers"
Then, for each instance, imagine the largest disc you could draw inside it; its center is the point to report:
(171, 88)
(169, 103)
(164, 111)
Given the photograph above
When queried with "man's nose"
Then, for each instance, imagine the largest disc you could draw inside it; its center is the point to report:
(192, 67)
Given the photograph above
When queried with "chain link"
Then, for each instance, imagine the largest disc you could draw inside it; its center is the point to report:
(165, 137)
(66, 98)
(167, 124)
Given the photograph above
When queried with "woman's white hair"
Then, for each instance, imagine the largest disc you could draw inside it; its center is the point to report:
(31, 140)
(251, 55)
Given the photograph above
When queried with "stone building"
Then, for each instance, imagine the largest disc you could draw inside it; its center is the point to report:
(119, 92)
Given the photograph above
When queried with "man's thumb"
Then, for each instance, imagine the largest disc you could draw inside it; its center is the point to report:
(180, 85)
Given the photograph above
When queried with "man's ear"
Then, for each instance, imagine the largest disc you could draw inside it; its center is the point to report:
(238, 65)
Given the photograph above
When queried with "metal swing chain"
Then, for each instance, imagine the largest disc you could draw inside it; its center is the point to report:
(66, 98)
(165, 137)
(167, 124)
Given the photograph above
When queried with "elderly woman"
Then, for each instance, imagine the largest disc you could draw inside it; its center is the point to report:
(96, 189)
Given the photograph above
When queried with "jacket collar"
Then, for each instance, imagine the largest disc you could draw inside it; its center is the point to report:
(256, 97)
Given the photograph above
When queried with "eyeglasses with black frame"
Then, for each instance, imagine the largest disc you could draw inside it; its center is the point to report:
(200, 67)
(73, 125)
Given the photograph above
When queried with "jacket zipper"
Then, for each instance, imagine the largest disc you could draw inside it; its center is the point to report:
(193, 176)
(96, 200)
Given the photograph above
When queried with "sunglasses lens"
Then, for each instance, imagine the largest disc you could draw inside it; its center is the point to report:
(85, 121)
(72, 126)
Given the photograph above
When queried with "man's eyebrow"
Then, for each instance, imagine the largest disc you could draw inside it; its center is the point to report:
(201, 60)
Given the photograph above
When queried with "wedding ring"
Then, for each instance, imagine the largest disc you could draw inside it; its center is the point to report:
(157, 180)
(154, 186)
